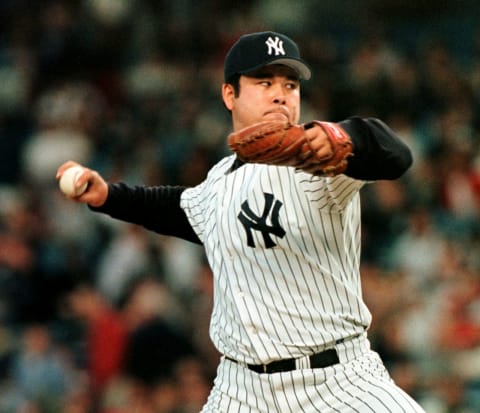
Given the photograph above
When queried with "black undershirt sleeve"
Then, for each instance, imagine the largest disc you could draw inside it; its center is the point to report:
(378, 152)
(156, 208)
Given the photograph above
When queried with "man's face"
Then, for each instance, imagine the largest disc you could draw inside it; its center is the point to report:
(269, 93)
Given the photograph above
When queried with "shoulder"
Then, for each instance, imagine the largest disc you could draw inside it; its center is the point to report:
(216, 173)
(222, 166)
(329, 193)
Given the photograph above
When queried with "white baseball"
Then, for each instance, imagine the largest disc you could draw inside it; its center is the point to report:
(69, 179)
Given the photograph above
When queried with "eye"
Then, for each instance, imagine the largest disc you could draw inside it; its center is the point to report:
(292, 85)
(265, 82)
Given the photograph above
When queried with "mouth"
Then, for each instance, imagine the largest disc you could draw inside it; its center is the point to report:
(280, 112)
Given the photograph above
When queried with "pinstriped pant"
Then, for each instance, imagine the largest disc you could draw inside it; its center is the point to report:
(358, 384)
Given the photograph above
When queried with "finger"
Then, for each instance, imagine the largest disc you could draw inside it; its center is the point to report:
(319, 142)
(84, 177)
(316, 150)
(62, 168)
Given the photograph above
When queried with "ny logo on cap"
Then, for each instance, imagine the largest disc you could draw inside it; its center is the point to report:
(275, 46)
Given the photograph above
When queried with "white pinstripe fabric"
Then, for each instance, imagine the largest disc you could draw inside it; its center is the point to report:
(291, 300)
(359, 384)
(297, 297)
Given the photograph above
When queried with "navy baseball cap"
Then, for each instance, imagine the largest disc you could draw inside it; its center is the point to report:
(255, 50)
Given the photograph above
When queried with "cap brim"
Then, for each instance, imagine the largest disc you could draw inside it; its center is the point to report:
(297, 65)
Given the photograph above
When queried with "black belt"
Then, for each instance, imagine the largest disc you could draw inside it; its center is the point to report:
(320, 360)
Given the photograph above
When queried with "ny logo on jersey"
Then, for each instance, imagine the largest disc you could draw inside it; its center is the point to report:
(253, 222)
(275, 46)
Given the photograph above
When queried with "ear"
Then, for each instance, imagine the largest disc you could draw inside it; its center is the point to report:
(228, 95)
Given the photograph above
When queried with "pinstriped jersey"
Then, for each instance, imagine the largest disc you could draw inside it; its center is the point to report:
(284, 248)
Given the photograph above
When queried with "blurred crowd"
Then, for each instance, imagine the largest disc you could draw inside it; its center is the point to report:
(102, 316)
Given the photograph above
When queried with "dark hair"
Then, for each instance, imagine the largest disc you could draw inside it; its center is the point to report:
(234, 80)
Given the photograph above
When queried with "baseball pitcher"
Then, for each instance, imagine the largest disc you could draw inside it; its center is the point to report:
(280, 223)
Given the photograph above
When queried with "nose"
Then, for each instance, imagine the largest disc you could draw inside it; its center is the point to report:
(278, 95)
